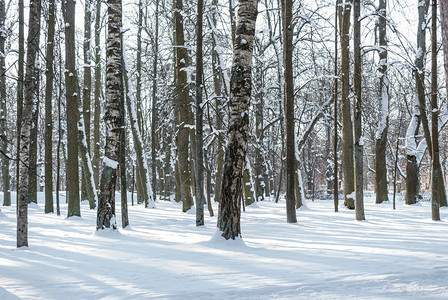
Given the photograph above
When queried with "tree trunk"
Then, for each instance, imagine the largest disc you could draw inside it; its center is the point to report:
(236, 146)
(20, 90)
(436, 168)
(142, 165)
(259, 167)
(140, 193)
(183, 109)
(86, 91)
(112, 117)
(97, 95)
(4, 113)
(154, 107)
(444, 22)
(347, 126)
(359, 186)
(335, 113)
(48, 109)
(289, 110)
(381, 187)
(199, 120)
(72, 112)
(31, 90)
(122, 162)
(217, 84)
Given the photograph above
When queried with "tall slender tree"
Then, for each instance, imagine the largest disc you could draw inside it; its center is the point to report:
(347, 125)
(359, 176)
(31, 90)
(335, 113)
(71, 97)
(112, 117)
(381, 189)
(20, 91)
(154, 104)
(49, 74)
(87, 86)
(289, 110)
(436, 170)
(200, 200)
(97, 95)
(3, 109)
(182, 108)
(236, 146)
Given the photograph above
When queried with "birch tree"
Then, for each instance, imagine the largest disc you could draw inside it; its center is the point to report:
(30, 100)
(112, 117)
(236, 145)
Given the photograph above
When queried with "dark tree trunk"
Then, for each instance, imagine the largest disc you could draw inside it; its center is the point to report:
(381, 186)
(3, 112)
(199, 120)
(48, 110)
(154, 112)
(347, 126)
(436, 168)
(289, 110)
(359, 186)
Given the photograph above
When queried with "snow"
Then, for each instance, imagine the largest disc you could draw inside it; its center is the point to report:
(113, 164)
(395, 254)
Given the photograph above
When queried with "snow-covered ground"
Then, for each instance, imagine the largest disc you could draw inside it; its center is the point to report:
(399, 254)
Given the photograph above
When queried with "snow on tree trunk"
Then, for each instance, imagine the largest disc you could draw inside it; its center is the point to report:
(381, 188)
(137, 138)
(112, 118)
(347, 126)
(31, 85)
(236, 145)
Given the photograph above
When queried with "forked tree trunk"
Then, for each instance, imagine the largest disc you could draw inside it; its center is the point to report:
(381, 187)
(31, 90)
(236, 146)
(359, 186)
(48, 109)
(112, 118)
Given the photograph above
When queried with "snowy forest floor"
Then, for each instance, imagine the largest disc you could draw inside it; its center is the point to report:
(399, 254)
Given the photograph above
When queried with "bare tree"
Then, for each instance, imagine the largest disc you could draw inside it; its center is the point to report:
(112, 117)
(31, 90)
(236, 146)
